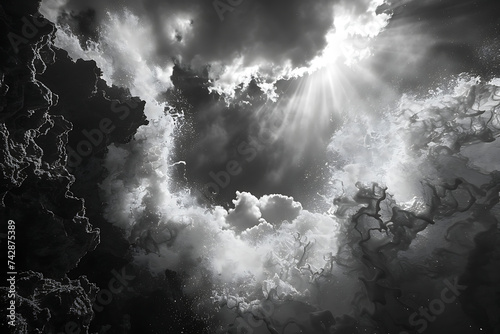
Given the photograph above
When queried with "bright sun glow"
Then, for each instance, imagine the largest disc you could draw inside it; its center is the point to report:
(325, 89)
(349, 40)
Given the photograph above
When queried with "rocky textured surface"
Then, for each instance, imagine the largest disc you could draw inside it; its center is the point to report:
(53, 232)
(48, 104)
(52, 306)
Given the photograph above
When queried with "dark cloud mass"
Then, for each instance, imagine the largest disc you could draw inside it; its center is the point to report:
(448, 37)
(269, 33)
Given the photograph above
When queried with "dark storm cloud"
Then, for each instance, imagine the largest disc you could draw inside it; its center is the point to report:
(271, 33)
(83, 25)
(426, 42)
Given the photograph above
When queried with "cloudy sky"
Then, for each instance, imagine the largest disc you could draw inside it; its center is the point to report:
(271, 109)
(414, 46)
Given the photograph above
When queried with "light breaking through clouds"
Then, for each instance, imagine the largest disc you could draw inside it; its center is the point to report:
(369, 149)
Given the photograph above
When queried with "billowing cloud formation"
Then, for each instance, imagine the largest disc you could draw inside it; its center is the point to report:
(246, 213)
(237, 39)
(249, 33)
(274, 209)
(277, 208)
(231, 247)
